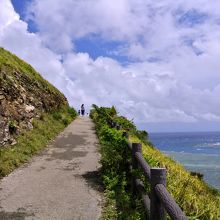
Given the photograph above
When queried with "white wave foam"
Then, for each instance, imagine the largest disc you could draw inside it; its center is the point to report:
(214, 145)
(217, 144)
(213, 167)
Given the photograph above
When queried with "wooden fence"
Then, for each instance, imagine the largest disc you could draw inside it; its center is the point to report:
(159, 201)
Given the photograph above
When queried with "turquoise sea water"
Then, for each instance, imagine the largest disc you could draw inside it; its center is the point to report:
(198, 152)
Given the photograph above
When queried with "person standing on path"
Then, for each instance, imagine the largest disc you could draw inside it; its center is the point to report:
(82, 110)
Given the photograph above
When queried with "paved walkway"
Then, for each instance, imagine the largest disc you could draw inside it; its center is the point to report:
(60, 183)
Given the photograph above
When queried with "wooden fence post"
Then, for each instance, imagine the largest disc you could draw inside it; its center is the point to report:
(136, 147)
(157, 211)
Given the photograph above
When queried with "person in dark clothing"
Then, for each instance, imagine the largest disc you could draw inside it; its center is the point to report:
(82, 110)
(79, 112)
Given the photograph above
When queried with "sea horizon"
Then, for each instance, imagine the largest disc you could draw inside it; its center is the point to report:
(196, 151)
(161, 132)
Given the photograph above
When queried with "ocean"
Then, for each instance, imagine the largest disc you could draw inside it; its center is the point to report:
(197, 151)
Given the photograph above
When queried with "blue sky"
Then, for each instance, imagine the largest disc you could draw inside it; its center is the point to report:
(157, 61)
(21, 8)
(192, 18)
(95, 46)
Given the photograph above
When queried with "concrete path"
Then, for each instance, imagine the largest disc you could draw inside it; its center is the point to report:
(60, 183)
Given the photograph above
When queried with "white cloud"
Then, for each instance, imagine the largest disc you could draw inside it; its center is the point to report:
(76, 19)
(180, 86)
(15, 37)
(7, 15)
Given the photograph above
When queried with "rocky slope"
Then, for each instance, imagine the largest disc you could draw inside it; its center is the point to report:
(24, 95)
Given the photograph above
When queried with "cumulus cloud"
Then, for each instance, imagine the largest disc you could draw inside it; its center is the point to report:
(7, 15)
(75, 19)
(172, 50)
(16, 38)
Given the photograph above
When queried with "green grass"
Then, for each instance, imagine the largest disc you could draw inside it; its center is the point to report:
(11, 62)
(29, 143)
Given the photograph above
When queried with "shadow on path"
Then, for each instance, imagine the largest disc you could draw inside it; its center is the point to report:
(93, 179)
(19, 215)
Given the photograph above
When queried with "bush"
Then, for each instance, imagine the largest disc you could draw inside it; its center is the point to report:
(41, 117)
(115, 173)
(65, 121)
(12, 126)
(72, 112)
(125, 123)
(57, 115)
(142, 135)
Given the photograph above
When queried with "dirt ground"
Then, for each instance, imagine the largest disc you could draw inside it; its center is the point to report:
(61, 183)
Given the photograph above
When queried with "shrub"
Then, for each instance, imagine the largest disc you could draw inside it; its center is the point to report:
(115, 173)
(142, 135)
(72, 112)
(12, 126)
(125, 123)
(65, 121)
(41, 117)
(57, 115)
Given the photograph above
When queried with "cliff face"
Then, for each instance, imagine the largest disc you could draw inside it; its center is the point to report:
(24, 95)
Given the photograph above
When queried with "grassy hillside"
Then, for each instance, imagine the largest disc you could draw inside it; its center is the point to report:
(10, 63)
(32, 112)
(48, 126)
(194, 196)
(24, 96)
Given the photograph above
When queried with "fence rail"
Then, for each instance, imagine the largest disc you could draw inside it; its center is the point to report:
(159, 201)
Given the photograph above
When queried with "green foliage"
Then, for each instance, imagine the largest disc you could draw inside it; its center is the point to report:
(193, 195)
(65, 121)
(65, 115)
(31, 142)
(125, 123)
(142, 135)
(72, 112)
(115, 145)
(115, 175)
(12, 126)
(41, 117)
(57, 115)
